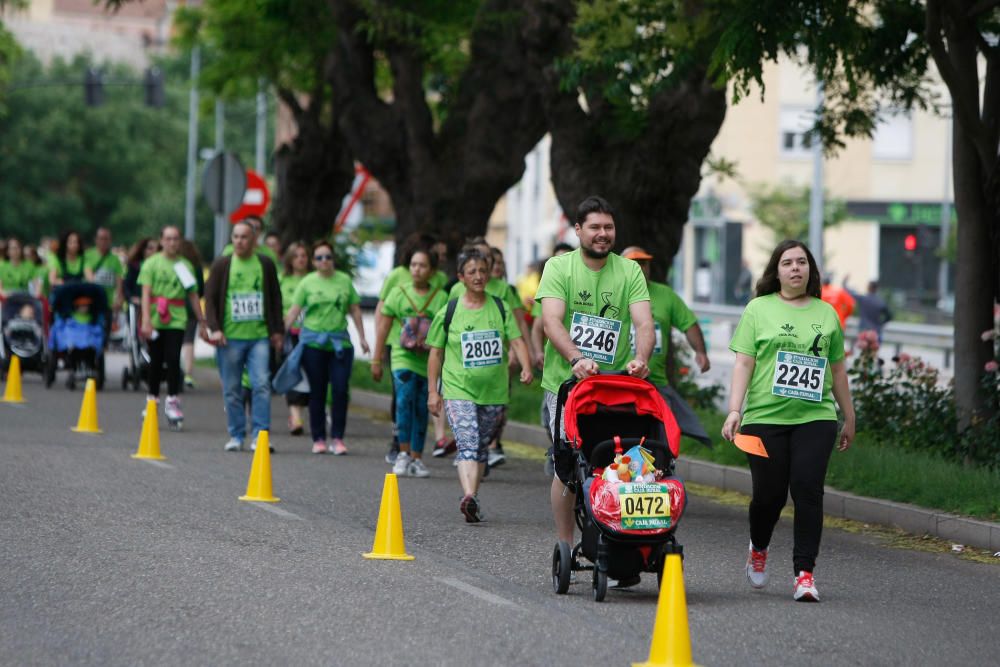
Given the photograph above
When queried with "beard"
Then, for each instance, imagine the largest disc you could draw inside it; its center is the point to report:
(595, 254)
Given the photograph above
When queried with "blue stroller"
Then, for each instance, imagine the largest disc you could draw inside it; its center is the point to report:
(76, 340)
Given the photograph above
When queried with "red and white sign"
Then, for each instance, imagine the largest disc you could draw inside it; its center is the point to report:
(255, 199)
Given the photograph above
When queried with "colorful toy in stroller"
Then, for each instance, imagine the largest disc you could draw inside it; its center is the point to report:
(22, 322)
(623, 441)
(76, 339)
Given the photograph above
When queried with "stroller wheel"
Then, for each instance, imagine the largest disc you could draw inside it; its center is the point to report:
(670, 547)
(600, 584)
(562, 565)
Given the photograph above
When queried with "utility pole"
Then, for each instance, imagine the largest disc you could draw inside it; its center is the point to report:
(192, 147)
(259, 156)
(945, 213)
(220, 147)
(816, 194)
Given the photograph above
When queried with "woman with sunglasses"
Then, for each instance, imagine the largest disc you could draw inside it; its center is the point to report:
(327, 297)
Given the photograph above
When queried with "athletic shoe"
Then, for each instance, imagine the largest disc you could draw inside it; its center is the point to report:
(253, 446)
(338, 448)
(390, 456)
(443, 447)
(189, 382)
(496, 458)
(295, 428)
(233, 445)
(757, 567)
(172, 409)
(628, 582)
(401, 465)
(417, 469)
(805, 588)
(470, 508)
(319, 447)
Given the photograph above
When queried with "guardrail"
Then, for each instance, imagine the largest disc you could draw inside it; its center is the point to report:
(928, 340)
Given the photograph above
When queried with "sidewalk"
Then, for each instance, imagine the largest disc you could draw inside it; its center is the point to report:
(839, 504)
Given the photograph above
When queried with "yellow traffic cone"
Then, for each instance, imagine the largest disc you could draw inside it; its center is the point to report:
(12, 391)
(149, 441)
(671, 645)
(389, 532)
(87, 423)
(259, 484)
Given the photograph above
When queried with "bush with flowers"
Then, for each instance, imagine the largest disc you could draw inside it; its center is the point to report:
(906, 406)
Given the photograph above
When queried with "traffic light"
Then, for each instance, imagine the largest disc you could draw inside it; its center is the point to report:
(910, 243)
(93, 88)
(153, 84)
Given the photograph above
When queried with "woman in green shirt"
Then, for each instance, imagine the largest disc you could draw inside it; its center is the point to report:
(295, 268)
(327, 297)
(16, 273)
(67, 265)
(473, 346)
(790, 367)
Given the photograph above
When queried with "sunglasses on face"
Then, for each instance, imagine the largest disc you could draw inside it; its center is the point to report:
(322, 258)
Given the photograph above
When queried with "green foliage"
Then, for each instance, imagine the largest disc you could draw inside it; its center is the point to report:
(784, 209)
(9, 52)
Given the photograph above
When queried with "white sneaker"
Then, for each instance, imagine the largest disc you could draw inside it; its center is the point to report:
(401, 465)
(757, 567)
(234, 445)
(172, 409)
(253, 446)
(805, 588)
(418, 469)
(495, 458)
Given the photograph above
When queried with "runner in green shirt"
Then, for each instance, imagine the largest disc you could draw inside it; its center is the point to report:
(474, 377)
(16, 273)
(414, 305)
(590, 298)
(327, 297)
(66, 265)
(105, 267)
(296, 267)
(789, 360)
(167, 281)
(259, 246)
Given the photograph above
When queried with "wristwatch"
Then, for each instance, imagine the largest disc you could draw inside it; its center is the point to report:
(574, 360)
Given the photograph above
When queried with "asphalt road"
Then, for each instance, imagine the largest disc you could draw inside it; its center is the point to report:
(105, 560)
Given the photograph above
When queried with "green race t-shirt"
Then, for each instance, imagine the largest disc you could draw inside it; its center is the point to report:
(793, 348)
(475, 358)
(597, 311)
(106, 271)
(326, 302)
(73, 266)
(669, 311)
(401, 276)
(399, 305)
(164, 280)
(17, 278)
(243, 318)
(288, 283)
(494, 287)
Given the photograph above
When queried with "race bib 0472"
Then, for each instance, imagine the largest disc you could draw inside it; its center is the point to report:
(799, 376)
(596, 337)
(247, 307)
(481, 348)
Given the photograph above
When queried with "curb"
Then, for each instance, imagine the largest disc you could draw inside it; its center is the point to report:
(839, 504)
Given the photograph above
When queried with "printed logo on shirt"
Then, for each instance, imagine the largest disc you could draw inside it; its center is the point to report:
(584, 298)
(609, 310)
(816, 348)
(787, 329)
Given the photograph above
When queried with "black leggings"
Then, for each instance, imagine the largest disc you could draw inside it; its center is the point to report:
(166, 349)
(797, 458)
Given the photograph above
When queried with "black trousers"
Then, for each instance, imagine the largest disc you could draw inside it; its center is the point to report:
(166, 349)
(798, 455)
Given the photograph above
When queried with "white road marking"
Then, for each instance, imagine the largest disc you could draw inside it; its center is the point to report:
(277, 510)
(476, 592)
(158, 464)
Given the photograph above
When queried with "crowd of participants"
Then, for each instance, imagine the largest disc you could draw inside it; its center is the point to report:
(455, 334)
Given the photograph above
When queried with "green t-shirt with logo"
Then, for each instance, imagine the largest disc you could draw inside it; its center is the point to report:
(243, 318)
(288, 282)
(106, 271)
(326, 302)
(17, 278)
(475, 357)
(597, 311)
(161, 274)
(494, 287)
(669, 311)
(399, 305)
(793, 347)
(401, 276)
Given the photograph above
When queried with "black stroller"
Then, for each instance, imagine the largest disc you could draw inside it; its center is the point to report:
(22, 323)
(137, 370)
(76, 340)
(627, 519)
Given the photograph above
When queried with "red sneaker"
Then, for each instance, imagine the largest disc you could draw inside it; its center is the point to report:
(757, 567)
(805, 588)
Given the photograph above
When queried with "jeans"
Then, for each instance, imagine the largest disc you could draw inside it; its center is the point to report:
(232, 358)
(324, 368)
(411, 408)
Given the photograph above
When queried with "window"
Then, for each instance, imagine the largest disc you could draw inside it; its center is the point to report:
(793, 128)
(893, 139)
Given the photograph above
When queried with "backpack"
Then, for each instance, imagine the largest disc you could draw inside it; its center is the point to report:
(449, 314)
(413, 330)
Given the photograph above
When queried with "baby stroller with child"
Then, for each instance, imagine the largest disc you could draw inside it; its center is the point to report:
(623, 442)
(22, 323)
(76, 340)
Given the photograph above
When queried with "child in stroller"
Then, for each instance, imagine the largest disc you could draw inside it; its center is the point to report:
(76, 339)
(627, 511)
(22, 325)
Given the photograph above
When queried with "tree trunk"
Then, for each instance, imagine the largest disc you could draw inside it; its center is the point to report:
(314, 172)
(443, 178)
